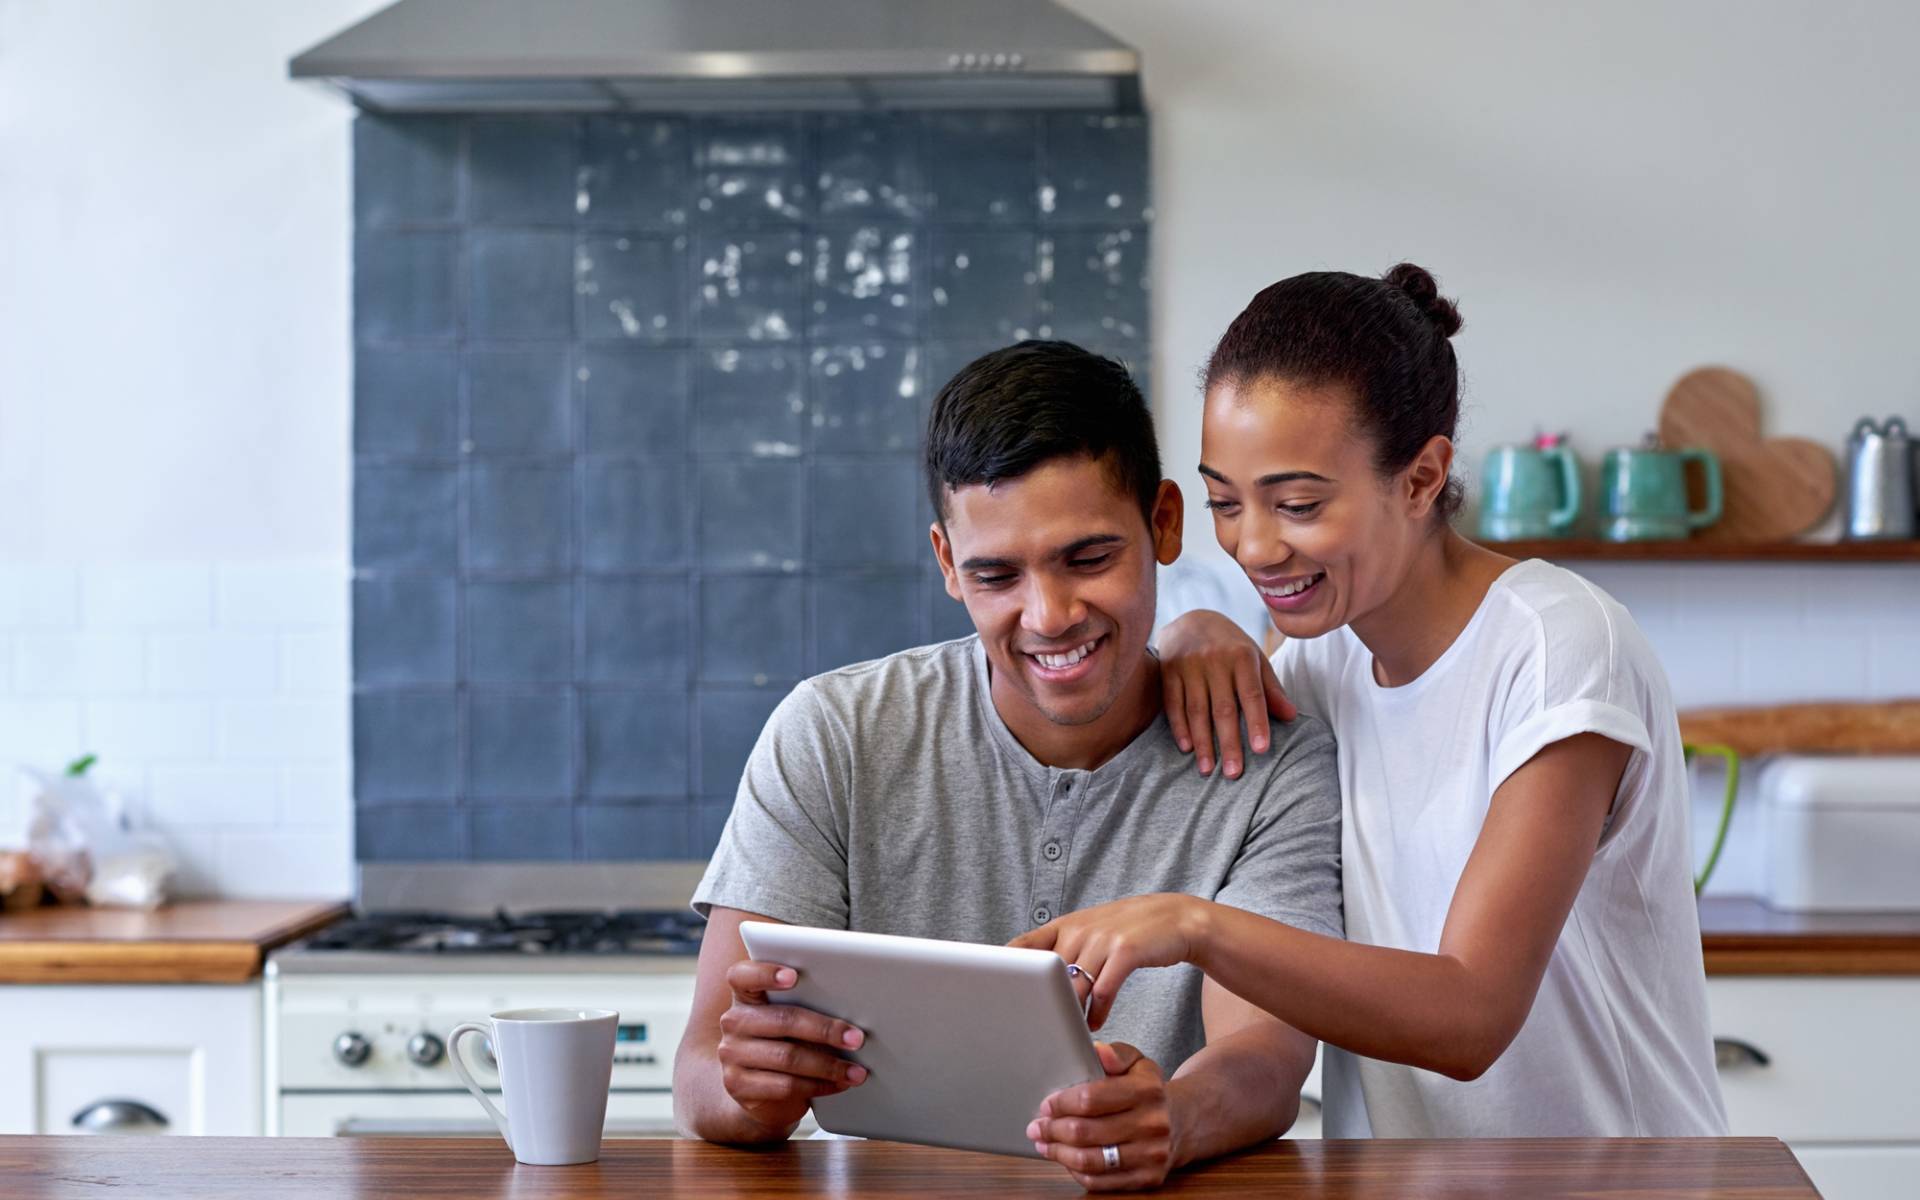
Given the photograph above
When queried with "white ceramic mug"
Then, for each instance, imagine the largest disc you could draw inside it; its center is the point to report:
(555, 1067)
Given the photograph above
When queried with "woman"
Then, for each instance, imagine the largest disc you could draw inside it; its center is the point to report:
(1524, 954)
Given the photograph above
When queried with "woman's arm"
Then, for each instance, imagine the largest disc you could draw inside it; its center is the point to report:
(1213, 676)
(1453, 1011)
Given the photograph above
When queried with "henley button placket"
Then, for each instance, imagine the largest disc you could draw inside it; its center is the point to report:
(1050, 879)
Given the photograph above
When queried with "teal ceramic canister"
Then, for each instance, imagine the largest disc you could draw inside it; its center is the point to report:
(1643, 493)
(1529, 493)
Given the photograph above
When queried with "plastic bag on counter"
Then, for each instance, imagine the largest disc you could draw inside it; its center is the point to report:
(81, 841)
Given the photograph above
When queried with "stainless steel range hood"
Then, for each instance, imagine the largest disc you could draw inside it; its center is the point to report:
(637, 55)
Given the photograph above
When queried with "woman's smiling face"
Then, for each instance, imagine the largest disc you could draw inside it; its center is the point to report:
(1298, 502)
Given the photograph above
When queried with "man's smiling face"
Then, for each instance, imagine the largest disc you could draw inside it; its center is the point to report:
(1056, 568)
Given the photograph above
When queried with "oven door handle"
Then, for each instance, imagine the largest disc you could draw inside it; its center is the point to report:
(478, 1127)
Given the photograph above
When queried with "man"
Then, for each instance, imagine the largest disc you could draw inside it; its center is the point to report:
(975, 789)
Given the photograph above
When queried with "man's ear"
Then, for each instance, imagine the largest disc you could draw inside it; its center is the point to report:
(1169, 512)
(943, 554)
(1426, 476)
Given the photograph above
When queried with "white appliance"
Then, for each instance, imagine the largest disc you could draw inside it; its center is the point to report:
(365, 1054)
(357, 1016)
(1843, 833)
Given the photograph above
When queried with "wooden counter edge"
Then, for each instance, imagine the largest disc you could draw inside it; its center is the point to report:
(1743, 935)
(227, 1166)
(158, 960)
(1751, 954)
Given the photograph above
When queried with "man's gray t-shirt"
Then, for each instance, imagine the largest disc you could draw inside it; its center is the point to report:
(889, 797)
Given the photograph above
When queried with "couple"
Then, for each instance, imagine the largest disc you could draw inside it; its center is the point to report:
(1503, 821)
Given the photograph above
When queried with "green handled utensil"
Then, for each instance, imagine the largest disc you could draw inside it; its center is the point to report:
(1732, 760)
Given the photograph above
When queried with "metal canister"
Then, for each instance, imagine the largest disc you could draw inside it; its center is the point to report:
(1880, 481)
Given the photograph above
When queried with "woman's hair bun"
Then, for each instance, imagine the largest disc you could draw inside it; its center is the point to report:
(1419, 286)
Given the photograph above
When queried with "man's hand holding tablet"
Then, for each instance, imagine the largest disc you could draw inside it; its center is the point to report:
(963, 1033)
(775, 1058)
(1126, 1113)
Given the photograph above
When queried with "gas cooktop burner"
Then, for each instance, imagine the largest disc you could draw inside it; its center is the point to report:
(624, 932)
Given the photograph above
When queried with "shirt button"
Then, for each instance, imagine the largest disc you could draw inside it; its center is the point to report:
(1042, 914)
(1052, 851)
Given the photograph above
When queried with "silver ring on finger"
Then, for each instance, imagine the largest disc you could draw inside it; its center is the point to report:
(1110, 1155)
(1075, 969)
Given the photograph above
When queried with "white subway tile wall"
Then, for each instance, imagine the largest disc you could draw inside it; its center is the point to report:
(1769, 633)
(92, 664)
(215, 694)
(221, 711)
(1893, 659)
(39, 597)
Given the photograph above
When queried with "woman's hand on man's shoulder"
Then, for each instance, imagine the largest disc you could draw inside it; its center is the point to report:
(1213, 677)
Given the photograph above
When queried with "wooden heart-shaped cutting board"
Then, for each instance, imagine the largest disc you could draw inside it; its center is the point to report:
(1776, 488)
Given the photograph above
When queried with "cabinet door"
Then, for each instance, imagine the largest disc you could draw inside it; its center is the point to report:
(1862, 1172)
(130, 1059)
(97, 1089)
(1809, 1059)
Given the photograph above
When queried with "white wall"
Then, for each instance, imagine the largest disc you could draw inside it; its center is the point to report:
(1616, 192)
(174, 222)
(174, 225)
(215, 696)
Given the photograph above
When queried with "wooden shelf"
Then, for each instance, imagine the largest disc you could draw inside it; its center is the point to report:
(1569, 549)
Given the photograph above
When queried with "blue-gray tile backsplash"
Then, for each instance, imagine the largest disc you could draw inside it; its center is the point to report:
(520, 744)
(637, 416)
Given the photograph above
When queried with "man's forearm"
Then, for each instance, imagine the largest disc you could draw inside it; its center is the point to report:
(1242, 1089)
(703, 1109)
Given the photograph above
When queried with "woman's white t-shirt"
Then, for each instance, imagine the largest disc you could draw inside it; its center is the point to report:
(1618, 1043)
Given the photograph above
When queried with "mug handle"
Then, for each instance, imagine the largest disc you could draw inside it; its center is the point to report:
(460, 1069)
(1561, 519)
(1710, 468)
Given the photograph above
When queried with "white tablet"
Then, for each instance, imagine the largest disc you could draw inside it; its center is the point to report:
(963, 1041)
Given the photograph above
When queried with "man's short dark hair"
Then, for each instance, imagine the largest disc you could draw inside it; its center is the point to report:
(1012, 410)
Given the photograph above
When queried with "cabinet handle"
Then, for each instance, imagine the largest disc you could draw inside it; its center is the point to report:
(119, 1116)
(1731, 1053)
(1309, 1103)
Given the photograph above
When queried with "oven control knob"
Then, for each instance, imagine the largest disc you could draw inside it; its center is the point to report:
(424, 1049)
(352, 1049)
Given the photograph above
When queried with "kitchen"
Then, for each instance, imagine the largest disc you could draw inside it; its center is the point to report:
(369, 595)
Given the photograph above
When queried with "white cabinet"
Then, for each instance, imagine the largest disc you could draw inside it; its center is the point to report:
(1862, 1172)
(182, 1059)
(1831, 1066)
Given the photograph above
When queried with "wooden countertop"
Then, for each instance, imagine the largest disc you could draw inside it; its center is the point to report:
(193, 941)
(210, 1168)
(225, 941)
(1742, 936)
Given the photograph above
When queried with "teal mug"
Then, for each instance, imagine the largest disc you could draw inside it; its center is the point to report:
(1529, 493)
(1644, 494)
